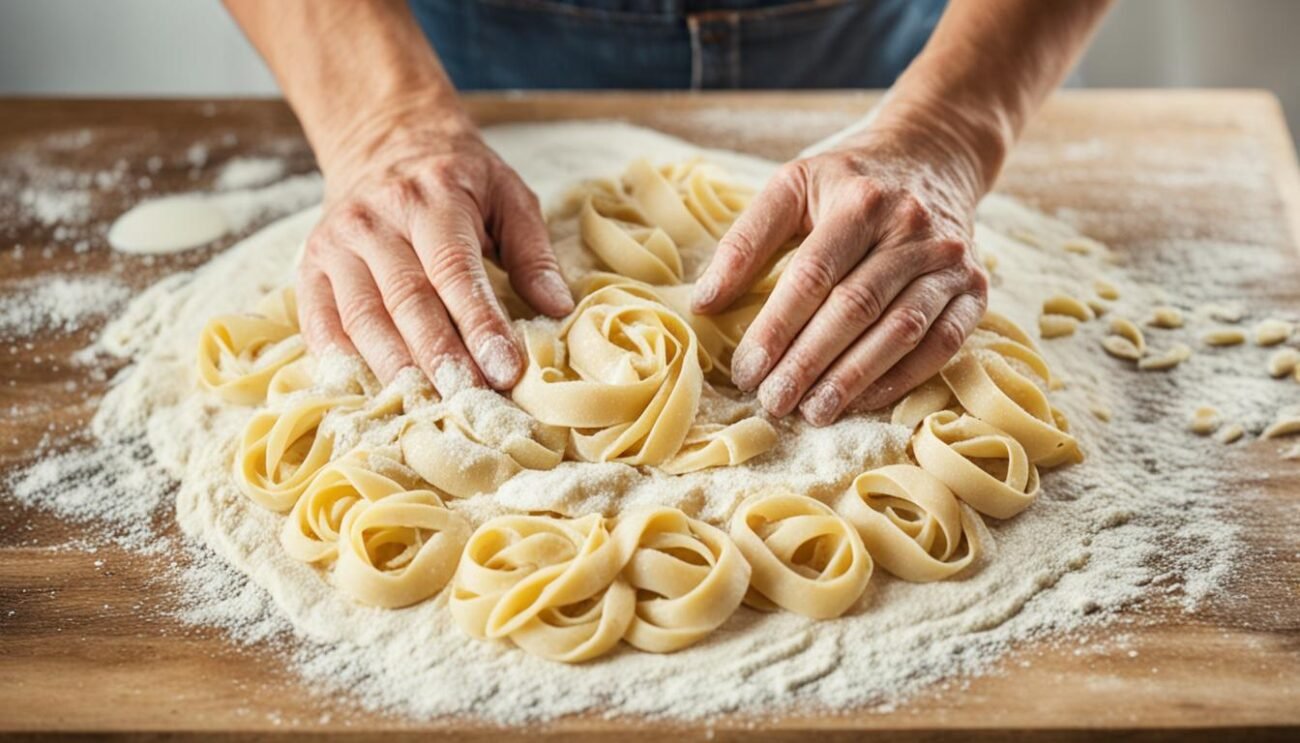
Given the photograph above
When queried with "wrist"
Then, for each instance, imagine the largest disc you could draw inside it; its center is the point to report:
(969, 144)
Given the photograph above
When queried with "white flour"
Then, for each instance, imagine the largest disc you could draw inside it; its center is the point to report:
(1140, 518)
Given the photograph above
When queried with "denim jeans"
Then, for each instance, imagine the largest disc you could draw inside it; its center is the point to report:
(676, 44)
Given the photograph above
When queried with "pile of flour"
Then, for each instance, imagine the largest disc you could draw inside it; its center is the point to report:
(1141, 512)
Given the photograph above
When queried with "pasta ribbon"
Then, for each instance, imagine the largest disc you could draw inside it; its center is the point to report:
(399, 549)
(550, 585)
(805, 557)
(689, 577)
(715, 445)
(239, 354)
(311, 533)
(624, 372)
(991, 390)
(280, 451)
(911, 523)
(983, 465)
(463, 456)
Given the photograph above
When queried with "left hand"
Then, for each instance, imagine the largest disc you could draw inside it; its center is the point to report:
(880, 295)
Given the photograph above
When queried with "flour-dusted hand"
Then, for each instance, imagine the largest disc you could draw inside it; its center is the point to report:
(395, 268)
(883, 290)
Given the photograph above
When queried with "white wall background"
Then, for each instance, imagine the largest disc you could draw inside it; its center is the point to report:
(191, 47)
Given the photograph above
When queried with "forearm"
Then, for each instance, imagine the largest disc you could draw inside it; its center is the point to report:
(343, 65)
(988, 66)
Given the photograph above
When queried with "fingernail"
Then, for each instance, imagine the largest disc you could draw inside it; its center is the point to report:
(705, 291)
(554, 285)
(499, 360)
(778, 394)
(821, 405)
(748, 365)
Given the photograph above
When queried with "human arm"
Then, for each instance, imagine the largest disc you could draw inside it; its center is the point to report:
(887, 286)
(414, 197)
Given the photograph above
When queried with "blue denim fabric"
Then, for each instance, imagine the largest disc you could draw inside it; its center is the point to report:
(676, 44)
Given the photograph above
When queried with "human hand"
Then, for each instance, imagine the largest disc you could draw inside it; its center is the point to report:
(880, 295)
(394, 270)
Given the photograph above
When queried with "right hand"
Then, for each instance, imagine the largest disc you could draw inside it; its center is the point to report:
(394, 270)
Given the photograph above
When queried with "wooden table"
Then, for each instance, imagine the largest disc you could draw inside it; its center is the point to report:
(84, 647)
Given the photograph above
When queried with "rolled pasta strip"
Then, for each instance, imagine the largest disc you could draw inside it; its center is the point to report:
(805, 557)
(238, 355)
(458, 456)
(994, 392)
(311, 533)
(280, 306)
(625, 372)
(715, 445)
(622, 236)
(685, 200)
(911, 523)
(689, 577)
(952, 448)
(290, 378)
(280, 451)
(931, 396)
(399, 549)
(548, 584)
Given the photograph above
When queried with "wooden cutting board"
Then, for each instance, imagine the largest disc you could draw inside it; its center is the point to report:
(85, 643)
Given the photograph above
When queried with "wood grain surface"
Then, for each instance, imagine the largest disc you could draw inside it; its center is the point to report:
(86, 642)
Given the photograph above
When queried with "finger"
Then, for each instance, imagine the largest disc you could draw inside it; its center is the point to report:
(446, 242)
(773, 217)
(901, 329)
(853, 306)
(421, 319)
(365, 319)
(318, 314)
(946, 336)
(832, 249)
(526, 252)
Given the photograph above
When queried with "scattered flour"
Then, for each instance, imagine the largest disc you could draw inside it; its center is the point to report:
(249, 172)
(1140, 517)
(62, 303)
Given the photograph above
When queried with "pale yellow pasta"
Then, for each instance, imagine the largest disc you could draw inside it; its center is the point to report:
(1285, 425)
(550, 585)
(687, 200)
(991, 390)
(239, 354)
(805, 557)
(931, 396)
(311, 532)
(1165, 316)
(689, 577)
(717, 445)
(1224, 337)
(984, 466)
(1105, 289)
(1282, 361)
(1205, 420)
(1056, 326)
(1121, 348)
(911, 523)
(1128, 330)
(1272, 331)
(1167, 359)
(624, 372)
(280, 451)
(462, 457)
(1064, 304)
(291, 378)
(399, 549)
(623, 237)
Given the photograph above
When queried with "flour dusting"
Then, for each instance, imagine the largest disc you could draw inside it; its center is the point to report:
(1141, 514)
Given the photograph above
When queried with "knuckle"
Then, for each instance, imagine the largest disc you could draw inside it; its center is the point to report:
(737, 249)
(812, 277)
(948, 336)
(859, 305)
(977, 280)
(354, 216)
(403, 292)
(403, 192)
(863, 192)
(908, 325)
(912, 215)
(453, 263)
(951, 252)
